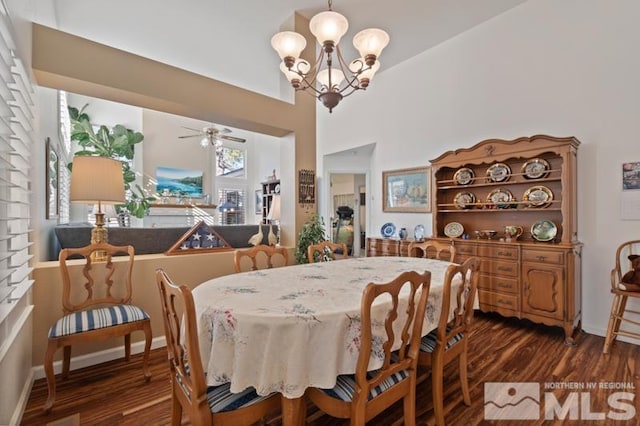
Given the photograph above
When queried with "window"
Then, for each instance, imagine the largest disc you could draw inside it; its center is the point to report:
(232, 206)
(230, 162)
(17, 118)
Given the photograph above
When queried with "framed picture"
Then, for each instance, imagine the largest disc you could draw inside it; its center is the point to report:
(407, 190)
(183, 182)
(258, 201)
(52, 175)
(630, 176)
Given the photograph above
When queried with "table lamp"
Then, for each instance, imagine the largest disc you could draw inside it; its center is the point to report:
(274, 216)
(97, 180)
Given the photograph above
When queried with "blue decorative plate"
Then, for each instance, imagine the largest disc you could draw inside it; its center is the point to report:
(418, 233)
(388, 229)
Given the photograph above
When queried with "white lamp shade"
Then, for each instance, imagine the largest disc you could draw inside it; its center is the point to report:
(328, 26)
(336, 78)
(96, 180)
(274, 210)
(370, 41)
(299, 65)
(288, 43)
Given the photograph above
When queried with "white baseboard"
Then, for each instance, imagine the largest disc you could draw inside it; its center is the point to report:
(602, 332)
(98, 357)
(16, 418)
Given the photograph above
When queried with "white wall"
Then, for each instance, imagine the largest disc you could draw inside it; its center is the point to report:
(559, 68)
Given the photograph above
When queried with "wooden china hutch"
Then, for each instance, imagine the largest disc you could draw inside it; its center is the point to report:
(529, 185)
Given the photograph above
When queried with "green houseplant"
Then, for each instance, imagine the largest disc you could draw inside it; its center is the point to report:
(117, 143)
(312, 233)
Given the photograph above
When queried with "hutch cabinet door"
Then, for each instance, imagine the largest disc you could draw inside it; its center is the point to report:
(543, 290)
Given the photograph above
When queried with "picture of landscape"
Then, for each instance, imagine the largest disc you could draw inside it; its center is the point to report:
(179, 181)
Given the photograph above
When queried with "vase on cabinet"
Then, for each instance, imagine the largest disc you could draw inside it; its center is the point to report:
(403, 233)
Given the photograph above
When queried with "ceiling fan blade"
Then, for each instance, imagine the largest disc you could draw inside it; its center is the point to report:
(191, 128)
(224, 130)
(189, 136)
(231, 138)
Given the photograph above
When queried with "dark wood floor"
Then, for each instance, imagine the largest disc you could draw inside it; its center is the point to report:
(502, 350)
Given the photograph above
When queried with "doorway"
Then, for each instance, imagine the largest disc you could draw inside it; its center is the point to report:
(347, 207)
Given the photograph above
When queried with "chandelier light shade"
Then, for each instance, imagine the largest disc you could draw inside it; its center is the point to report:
(330, 80)
(97, 180)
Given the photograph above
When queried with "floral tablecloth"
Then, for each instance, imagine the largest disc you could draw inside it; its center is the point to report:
(286, 329)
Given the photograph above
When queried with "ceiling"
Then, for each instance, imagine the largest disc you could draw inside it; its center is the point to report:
(230, 40)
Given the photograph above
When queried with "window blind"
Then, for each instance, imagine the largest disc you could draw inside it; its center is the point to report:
(234, 198)
(17, 118)
(64, 175)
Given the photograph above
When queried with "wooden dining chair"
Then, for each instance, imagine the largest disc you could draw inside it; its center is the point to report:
(363, 395)
(261, 257)
(95, 307)
(205, 405)
(625, 283)
(451, 339)
(326, 251)
(431, 249)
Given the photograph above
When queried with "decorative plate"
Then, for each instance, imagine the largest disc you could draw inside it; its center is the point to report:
(544, 230)
(538, 196)
(464, 176)
(388, 229)
(498, 172)
(536, 168)
(453, 230)
(418, 233)
(276, 189)
(464, 200)
(501, 198)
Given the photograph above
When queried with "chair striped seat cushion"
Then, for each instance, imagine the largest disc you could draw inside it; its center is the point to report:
(346, 385)
(428, 342)
(221, 399)
(94, 319)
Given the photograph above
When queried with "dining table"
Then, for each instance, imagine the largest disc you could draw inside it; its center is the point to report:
(290, 328)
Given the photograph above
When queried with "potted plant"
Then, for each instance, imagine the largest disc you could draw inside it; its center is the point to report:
(312, 233)
(117, 143)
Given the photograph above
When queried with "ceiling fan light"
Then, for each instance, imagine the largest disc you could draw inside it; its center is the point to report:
(336, 78)
(328, 26)
(370, 42)
(288, 44)
(204, 142)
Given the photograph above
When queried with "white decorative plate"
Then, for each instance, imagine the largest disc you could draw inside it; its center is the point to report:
(536, 168)
(498, 172)
(276, 189)
(418, 233)
(538, 196)
(453, 230)
(388, 229)
(464, 176)
(464, 200)
(544, 230)
(501, 198)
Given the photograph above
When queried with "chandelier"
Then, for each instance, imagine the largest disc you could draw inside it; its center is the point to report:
(335, 81)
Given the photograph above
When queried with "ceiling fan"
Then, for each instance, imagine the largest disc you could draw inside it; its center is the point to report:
(212, 135)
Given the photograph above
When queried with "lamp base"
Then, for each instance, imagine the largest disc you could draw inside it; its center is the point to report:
(99, 235)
